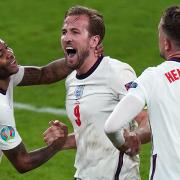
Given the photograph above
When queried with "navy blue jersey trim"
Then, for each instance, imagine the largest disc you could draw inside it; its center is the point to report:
(154, 157)
(174, 59)
(119, 167)
(2, 91)
(91, 70)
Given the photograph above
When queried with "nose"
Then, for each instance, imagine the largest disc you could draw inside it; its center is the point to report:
(66, 37)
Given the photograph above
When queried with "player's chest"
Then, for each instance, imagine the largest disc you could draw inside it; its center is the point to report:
(85, 103)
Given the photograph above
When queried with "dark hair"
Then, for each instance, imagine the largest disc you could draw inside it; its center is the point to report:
(171, 23)
(96, 22)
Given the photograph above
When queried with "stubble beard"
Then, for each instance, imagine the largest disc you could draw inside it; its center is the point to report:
(4, 74)
(81, 59)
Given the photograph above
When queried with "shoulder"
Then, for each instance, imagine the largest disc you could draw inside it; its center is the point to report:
(149, 72)
(119, 70)
(154, 69)
(115, 64)
(147, 80)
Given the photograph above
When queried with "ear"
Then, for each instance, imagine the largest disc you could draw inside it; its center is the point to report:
(94, 41)
(167, 44)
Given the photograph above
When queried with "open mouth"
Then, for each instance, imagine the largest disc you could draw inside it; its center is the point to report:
(70, 51)
(13, 62)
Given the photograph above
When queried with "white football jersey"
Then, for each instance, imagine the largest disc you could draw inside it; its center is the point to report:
(9, 137)
(159, 87)
(90, 100)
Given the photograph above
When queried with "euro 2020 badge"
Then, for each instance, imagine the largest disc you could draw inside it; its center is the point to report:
(7, 133)
(79, 91)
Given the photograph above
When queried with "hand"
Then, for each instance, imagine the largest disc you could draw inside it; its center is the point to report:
(99, 50)
(56, 134)
(132, 143)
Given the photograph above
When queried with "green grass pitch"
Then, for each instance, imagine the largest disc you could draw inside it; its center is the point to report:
(32, 29)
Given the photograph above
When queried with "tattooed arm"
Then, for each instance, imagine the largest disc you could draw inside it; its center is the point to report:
(53, 72)
(25, 161)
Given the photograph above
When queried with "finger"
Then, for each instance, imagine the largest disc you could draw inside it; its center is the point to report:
(59, 127)
(54, 132)
(126, 132)
(47, 131)
(50, 141)
(55, 123)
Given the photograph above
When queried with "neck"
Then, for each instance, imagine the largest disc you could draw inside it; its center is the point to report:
(174, 55)
(88, 63)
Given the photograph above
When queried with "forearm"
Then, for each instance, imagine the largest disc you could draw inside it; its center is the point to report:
(70, 142)
(38, 157)
(123, 113)
(25, 161)
(144, 135)
(143, 130)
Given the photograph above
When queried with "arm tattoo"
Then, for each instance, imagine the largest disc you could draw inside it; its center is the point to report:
(32, 76)
(53, 72)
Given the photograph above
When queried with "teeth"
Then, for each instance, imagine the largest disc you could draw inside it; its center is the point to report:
(70, 51)
(69, 48)
(13, 62)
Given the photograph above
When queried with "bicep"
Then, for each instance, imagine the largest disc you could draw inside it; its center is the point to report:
(52, 72)
(32, 76)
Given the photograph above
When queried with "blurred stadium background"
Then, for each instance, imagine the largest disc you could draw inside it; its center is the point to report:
(32, 29)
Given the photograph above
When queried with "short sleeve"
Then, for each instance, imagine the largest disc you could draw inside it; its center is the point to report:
(122, 75)
(9, 136)
(17, 78)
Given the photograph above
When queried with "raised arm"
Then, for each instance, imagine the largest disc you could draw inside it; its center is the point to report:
(52, 72)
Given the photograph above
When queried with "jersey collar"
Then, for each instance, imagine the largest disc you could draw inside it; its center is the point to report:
(91, 70)
(2, 91)
(174, 57)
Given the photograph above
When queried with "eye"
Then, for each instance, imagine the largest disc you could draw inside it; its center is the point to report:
(75, 32)
(63, 32)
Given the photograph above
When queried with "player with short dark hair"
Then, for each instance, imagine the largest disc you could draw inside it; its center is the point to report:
(11, 143)
(94, 17)
(159, 88)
